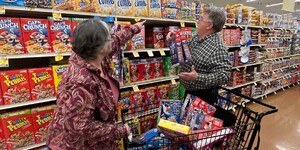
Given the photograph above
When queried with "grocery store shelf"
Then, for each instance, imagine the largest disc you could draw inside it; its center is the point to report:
(20, 56)
(282, 57)
(276, 48)
(5, 107)
(254, 45)
(280, 68)
(32, 146)
(247, 65)
(245, 84)
(157, 80)
(146, 50)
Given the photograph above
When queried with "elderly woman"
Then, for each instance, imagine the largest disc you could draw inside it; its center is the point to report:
(88, 93)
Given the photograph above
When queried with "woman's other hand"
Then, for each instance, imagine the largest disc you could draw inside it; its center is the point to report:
(140, 24)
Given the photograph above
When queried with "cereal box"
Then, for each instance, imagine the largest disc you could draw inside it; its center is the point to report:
(140, 8)
(61, 35)
(41, 83)
(63, 4)
(2, 137)
(170, 110)
(58, 71)
(212, 123)
(1, 98)
(149, 69)
(155, 37)
(107, 7)
(35, 35)
(76, 21)
(128, 45)
(12, 2)
(148, 122)
(137, 99)
(126, 69)
(171, 3)
(150, 96)
(124, 102)
(86, 5)
(157, 66)
(138, 40)
(124, 7)
(168, 70)
(163, 91)
(172, 126)
(15, 86)
(10, 36)
(41, 117)
(144, 75)
(18, 129)
(170, 13)
(134, 71)
(154, 8)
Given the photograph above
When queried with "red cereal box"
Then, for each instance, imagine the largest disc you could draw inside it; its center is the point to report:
(36, 35)
(1, 98)
(128, 45)
(2, 137)
(138, 40)
(212, 123)
(226, 36)
(18, 129)
(41, 83)
(137, 99)
(207, 108)
(124, 102)
(155, 37)
(187, 32)
(163, 91)
(134, 70)
(11, 41)
(15, 86)
(41, 117)
(157, 66)
(151, 97)
(148, 69)
(60, 35)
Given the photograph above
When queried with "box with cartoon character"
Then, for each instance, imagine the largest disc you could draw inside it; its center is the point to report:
(137, 100)
(58, 71)
(86, 5)
(148, 122)
(154, 8)
(155, 37)
(2, 137)
(18, 129)
(140, 8)
(149, 69)
(170, 110)
(41, 83)
(63, 4)
(61, 35)
(128, 45)
(11, 41)
(126, 70)
(149, 94)
(157, 66)
(36, 35)
(124, 7)
(170, 13)
(138, 40)
(15, 86)
(163, 91)
(135, 72)
(124, 102)
(213, 123)
(107, 7)
(41, 117)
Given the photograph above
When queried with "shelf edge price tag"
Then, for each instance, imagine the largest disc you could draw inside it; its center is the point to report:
(255, 83)
(2, 10)
(173, 82)
(135, 88)
(56, 16)
(4, 61)
(196, 24)
(59, 57)
(136, 54)
(150, 53)
(182, 24)
(137, 19)
(162, 52)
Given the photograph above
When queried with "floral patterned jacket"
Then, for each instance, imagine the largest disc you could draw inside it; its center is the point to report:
(86, 112)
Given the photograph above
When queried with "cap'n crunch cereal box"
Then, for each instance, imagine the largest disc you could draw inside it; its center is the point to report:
(10, 36)
(138, 40)
(41, 117)
(63, 4)
(86, 5)
(154, 8)
(41, 83)
(18, 129)
(140, 8)
(124, 7)
(58, 71)
(1, 98)
(35, 35)
(107, 7)
(15, 86)
(2, 137)
(61, 35)
(76, 21)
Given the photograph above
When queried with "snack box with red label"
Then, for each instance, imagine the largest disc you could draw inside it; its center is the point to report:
(134, 70)
(18, 129)
(41, 83)
(226, 36)
(212, 123)
(41, 117)
(150, 96)
(2, 137)
(207, 108)
(138, 40)
(137, 100)
(11, 41)
(15, 86)
(61, 35)
(187, 32)
(155, 37)
(163, 91)
(157, 66)
(128, 45)
(36, 36)
(149, 70)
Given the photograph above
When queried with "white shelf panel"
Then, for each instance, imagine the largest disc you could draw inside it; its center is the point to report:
(5, 107)
(247, 65)
(157, 80)
(241, 85)
(32, 146)
(146, 50)
(21, 56)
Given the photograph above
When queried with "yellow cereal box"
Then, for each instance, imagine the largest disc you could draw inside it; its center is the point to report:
(173, 127)
(107, 7)
(58, 71)
(124, 7)
(63, 4)
(154, 8)
(140, 8)
(86, 5)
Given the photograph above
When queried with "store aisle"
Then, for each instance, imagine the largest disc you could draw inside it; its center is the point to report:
(281, 131)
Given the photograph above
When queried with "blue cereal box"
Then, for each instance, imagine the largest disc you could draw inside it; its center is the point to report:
(12, 2)
(170, 110)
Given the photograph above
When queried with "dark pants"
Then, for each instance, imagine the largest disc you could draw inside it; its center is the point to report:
(210, 96)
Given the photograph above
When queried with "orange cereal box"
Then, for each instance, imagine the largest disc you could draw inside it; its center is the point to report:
(124, 7)
(41, 117)
(36, 35)
(10, 36)
(58, 71)
(63, 4)
(41, 83)
(140, 8)
(154, 8)
(15, 86)
(18, 129)
(2, 137)
(86, 5)
(61, 35)
(107, 7)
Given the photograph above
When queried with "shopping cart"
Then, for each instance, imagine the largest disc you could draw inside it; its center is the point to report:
(242, 135)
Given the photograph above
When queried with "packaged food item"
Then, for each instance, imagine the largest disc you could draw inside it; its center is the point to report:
(170, 13)
(18, 129)
(36, 35)
(38, 3)
(170, 110)
(157, 66)
(211, 123)
(149, 69)
(15, 86)
(174, 91)
(176, 52)
(107, 7)
(86, 5)
(149, 94)
(124, 7)
(61, 35)
(58, 71)
(171, 3)
(168, 69)
(173, 128)
(185, 49)
(140, 8)
(63, 4)
(1, 98)
(11, 41)
(134, 71)
(137, 100)
(126, 70)
(154, 7)
(41, 117)
(163, 91)
(41, 83)
(12, 3)
(128, 45)
(155, 37)
(124, 102)
(148, 122)
(2, 137)
(138, 40)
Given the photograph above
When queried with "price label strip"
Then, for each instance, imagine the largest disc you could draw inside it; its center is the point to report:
(150, 53)
(56, 16)
(173, 82)
(135, 88)
(182, 24)
(162, 52)
(4, 61)
(136, 54)
(137, 19)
